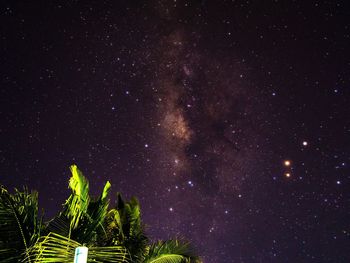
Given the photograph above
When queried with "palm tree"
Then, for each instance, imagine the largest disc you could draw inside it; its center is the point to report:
(115, 235)
(20, 226)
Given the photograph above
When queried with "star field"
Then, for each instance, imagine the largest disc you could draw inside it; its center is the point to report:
(229, 120)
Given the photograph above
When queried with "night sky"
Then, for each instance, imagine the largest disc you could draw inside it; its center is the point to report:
(229, 120)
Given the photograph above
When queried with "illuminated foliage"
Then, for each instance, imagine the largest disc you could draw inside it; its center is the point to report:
(112, 235)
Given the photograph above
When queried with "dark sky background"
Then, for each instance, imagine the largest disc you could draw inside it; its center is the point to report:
(194, 107)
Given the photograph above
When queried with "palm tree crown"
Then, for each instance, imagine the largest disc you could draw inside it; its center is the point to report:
(112, 235)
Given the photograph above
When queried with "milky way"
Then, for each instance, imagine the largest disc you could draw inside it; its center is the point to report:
(202, 110)
(207, 132)
(229, 120)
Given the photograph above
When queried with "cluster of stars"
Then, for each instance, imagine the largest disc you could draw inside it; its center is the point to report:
(190, 183)
(288, 163)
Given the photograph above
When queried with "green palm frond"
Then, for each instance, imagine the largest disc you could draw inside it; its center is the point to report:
(112, 254)
(53, 248)
(77, 204)
(19, 223)
(131, 230)
(105, 191)
(168, 258)
(81, 216)
(57, 248)
(95, 216)
(112, 233)
(59, 225)
(172, 251)
(130, 217)
(135, 217)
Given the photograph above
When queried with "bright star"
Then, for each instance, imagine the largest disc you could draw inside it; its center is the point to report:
(287, 163)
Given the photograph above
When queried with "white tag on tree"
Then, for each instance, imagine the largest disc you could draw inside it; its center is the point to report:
(81, 254)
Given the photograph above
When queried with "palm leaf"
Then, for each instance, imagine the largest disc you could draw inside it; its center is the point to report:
(53, 248)
(131, 230)
(19, 224)
(109, 254)
(59, 225)
(168, 258)
(95, 216)
(57, 248)
(81, 216)
(112, 231)
(172, 251)
(77, 204)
